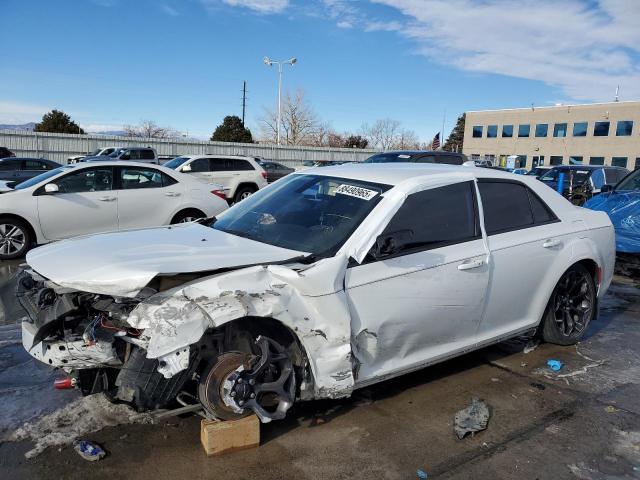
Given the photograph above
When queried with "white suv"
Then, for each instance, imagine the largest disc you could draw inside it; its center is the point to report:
(240, 176)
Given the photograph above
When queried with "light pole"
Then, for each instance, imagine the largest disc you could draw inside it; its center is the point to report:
(269, 62)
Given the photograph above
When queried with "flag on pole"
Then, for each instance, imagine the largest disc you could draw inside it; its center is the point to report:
(435, 143)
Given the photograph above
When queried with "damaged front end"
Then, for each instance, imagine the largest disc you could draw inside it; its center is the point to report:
(226, 351)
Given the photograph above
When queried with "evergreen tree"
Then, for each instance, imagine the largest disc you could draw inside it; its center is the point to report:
(455, 140)
(56, 121)
(232, 130)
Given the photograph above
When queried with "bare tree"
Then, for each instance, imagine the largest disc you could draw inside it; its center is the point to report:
(150, 129)
(299, 122)
(382, 133)
(406, 140)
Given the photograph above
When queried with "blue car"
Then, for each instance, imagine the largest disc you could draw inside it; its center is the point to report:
(622, 204)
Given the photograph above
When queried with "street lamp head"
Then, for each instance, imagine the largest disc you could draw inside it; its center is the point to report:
(293, 60)
(267, 61)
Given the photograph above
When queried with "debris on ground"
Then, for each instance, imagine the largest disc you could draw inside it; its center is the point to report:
(89, 451)
(610, 409)
(472, 419)
(78, 418)
(554, 365)
(422, 475)
(531, 346)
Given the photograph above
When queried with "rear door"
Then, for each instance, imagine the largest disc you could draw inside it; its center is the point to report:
(424, 300)
(86, 203)
(524, 241)
(147, 197)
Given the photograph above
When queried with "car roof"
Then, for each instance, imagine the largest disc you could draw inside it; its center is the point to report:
(416, 152)
(396, 173)
(581, 167)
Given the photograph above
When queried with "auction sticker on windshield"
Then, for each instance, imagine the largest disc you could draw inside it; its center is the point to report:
(357, 192)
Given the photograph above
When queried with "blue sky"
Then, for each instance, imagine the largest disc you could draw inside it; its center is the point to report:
(181, 63)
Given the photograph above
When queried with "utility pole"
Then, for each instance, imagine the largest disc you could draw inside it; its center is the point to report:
(244, 99)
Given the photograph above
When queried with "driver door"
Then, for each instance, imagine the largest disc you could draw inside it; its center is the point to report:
(422, 299)
(85, 203)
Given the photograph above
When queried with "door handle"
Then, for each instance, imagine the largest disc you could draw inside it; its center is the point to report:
(469, 264)
(106, 199)
(172, 194)
(551, 243)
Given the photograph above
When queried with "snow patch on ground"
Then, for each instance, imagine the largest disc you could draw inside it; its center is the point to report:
(78, 418)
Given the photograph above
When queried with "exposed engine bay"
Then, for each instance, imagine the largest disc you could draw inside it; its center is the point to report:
(231, 371)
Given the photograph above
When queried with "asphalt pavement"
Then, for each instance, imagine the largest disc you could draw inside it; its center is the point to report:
(582, 422)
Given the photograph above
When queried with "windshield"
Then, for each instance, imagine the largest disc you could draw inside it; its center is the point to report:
(116, 152)
(43, 176)
(632, 182)
(308, 213)
(94, 153)
(389, 157)
(176, 162)
(579, 176)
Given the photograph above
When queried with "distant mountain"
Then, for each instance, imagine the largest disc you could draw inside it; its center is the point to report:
(24, 127)
(116, 133)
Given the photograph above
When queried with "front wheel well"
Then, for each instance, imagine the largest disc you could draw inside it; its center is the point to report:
(32, 231)
(194, 212)
(593, 269)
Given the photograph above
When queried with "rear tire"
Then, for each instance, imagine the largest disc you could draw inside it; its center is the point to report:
(187, 216)
(243, 192)
(15, 238)
(571, 307)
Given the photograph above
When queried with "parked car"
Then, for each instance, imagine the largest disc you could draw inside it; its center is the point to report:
(100, 152)
(5, 152)
(538, 171)
(88, 198)
(581, 182)
(18, 169)
(132, 154)
(240, 176)
(427, 156)
(520, 171)
(275, 170)
(483, 163)
(622, 203)
(329, 280)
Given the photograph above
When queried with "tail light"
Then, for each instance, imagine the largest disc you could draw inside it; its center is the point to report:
(219, 193)
(264, 174)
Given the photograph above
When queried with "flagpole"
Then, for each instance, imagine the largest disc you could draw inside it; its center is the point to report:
(442, 131)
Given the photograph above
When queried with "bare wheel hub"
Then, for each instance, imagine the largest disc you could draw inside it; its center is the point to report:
(239, 383)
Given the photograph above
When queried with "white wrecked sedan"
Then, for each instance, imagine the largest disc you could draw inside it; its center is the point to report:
(326, 281)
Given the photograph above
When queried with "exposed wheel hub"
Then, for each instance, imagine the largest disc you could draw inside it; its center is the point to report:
(264, 383)
(572, 303)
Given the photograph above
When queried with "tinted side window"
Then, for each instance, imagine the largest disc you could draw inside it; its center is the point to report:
(147, 155)
(87, 180)
(200, 165)
(35, 165)
(134, 177)
(9, 165)
(506, 206)
(237, 165)
(218, 164)
(437, 217)
(541, 212)
(426, 159)
(450, 159)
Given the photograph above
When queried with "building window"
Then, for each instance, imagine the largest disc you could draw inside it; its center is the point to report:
(475, 156)
(492, 131)
(624, 128)
(489, 156)
(601, 129)
(521, 161)
(560, 130)
(580, 129)
(541, 129)
(554, 160)
(573, 160)
(596, 161)
(637, 165)
(477, 131)
(507, 131)
(524, 130)
(619, 162)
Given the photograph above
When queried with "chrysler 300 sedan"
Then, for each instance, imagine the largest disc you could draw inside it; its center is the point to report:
(326, 281)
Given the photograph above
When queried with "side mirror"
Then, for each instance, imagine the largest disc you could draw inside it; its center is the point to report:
(51, 188)
(606, 188)
(186, 168)
(390, 243)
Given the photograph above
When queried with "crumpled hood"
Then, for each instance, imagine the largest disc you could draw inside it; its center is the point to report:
(123, 263)
(623, 208)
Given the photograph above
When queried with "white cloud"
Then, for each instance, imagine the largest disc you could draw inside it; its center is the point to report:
(101, 127)
(169, 10)
(344, 24)
(585, 49)
(392, 26)
(260, 6)
(18, 113)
